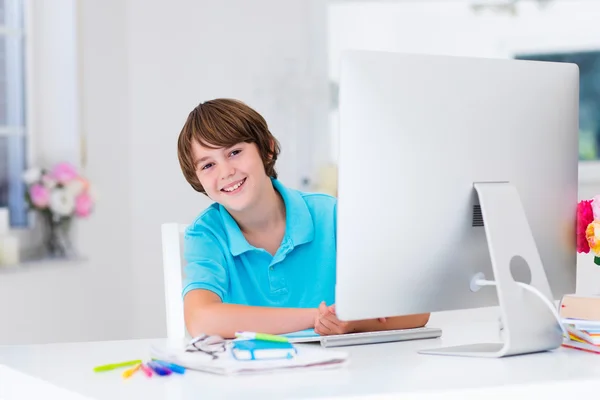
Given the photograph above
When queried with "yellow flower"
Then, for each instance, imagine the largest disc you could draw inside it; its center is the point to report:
(592, 234)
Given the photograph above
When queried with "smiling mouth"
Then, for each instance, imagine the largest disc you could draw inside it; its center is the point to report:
(234, 188)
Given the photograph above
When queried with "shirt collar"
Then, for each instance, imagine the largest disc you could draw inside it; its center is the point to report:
(299, 227)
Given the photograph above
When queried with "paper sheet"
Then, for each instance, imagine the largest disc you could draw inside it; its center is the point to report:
(309, 356)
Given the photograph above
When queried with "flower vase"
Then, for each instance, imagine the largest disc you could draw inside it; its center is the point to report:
(57, 236)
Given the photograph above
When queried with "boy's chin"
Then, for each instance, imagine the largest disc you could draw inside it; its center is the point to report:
(238, 204)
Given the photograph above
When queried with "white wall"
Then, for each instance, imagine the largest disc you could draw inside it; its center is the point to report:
(453, 28)
(53, 89)
(192, 51)
(105, 239)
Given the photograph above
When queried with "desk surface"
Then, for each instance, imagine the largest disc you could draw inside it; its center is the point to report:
(375, 370)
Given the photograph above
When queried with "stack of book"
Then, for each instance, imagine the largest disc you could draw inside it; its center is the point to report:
(581, 316)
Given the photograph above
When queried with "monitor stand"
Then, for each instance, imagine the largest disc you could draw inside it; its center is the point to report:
(529, 326)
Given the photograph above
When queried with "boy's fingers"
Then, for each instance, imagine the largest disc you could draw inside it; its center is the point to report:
(334, 321)
(323, 327)
(327, 317)
(323, 309)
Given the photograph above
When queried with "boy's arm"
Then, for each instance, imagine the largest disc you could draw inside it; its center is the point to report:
(327, 322)
(206, 313)
(402, 322)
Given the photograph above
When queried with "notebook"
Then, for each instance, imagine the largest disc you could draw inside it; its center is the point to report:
(307, 357)
(349, 339)
(250, 350)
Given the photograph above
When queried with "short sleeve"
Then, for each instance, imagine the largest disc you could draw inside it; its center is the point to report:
(205, 267)
(335, 222)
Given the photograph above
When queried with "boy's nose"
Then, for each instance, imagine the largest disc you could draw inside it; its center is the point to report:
(227, 170)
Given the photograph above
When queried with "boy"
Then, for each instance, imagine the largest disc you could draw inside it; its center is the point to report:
(262, 257)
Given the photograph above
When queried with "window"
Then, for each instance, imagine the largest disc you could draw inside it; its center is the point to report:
(13, 140)
(589, 96)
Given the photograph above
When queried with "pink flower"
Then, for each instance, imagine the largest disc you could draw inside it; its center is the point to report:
(40, 195)
(585, 215)
(596, 207)
(64, 172)
(83, 204)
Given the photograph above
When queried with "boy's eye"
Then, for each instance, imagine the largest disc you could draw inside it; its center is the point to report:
(207, 166)
(235, 152)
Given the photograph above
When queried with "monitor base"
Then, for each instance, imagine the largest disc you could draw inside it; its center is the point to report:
(469, 350)
(529, 326)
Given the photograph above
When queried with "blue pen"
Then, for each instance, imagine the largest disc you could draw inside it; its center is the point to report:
(173, 367)
(159, 369)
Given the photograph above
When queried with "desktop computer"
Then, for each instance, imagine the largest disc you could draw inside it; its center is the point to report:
(453, 171)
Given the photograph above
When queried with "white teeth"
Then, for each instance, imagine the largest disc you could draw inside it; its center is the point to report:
(234, 187)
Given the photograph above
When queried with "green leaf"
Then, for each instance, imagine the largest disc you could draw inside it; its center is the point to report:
(597, 260)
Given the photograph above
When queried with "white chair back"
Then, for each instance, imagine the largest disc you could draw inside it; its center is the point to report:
(172, 249)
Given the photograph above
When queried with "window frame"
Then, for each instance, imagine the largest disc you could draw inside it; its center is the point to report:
(557, 41)
(28, 244)
(23, 131)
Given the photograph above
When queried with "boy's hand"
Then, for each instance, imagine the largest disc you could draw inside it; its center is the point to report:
(326, 322)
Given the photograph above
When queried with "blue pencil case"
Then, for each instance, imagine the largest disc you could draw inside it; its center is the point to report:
(248, 350)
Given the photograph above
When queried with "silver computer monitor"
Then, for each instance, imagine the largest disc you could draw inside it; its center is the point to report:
(445, 164)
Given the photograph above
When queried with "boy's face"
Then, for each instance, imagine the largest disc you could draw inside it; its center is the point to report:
(233, 177)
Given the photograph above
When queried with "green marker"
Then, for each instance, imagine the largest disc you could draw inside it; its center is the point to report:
(110, 367)
(261, 336)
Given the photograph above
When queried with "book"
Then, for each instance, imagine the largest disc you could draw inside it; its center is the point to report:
(580, 307)
(592, 326)
(582, 346)
(251, 350)
(582, 336)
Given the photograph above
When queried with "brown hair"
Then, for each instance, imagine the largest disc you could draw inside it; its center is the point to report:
(224, 123)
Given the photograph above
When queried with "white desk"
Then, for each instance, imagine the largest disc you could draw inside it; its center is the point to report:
(392, 370)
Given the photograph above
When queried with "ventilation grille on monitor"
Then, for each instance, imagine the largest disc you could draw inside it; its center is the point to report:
(477, 216)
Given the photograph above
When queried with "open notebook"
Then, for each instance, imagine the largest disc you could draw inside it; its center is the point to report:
(350, 339)
(308, 357)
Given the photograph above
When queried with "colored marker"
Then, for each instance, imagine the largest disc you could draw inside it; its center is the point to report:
(159, 369)
(261, 336)
(146, 370)
(129, 372)
(109, 367)
(173, 367)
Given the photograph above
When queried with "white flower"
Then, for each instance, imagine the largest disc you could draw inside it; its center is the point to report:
(32, 175)
(49, 182)
(62, 202)
(74, 187)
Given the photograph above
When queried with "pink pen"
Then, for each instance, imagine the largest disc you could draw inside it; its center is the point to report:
(146, 370)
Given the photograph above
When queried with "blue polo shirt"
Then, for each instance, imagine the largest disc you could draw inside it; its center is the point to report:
(301, 273)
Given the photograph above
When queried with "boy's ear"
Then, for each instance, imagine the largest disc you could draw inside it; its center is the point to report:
(272, 146)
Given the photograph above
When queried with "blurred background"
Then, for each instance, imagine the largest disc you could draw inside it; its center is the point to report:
(106, 86)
